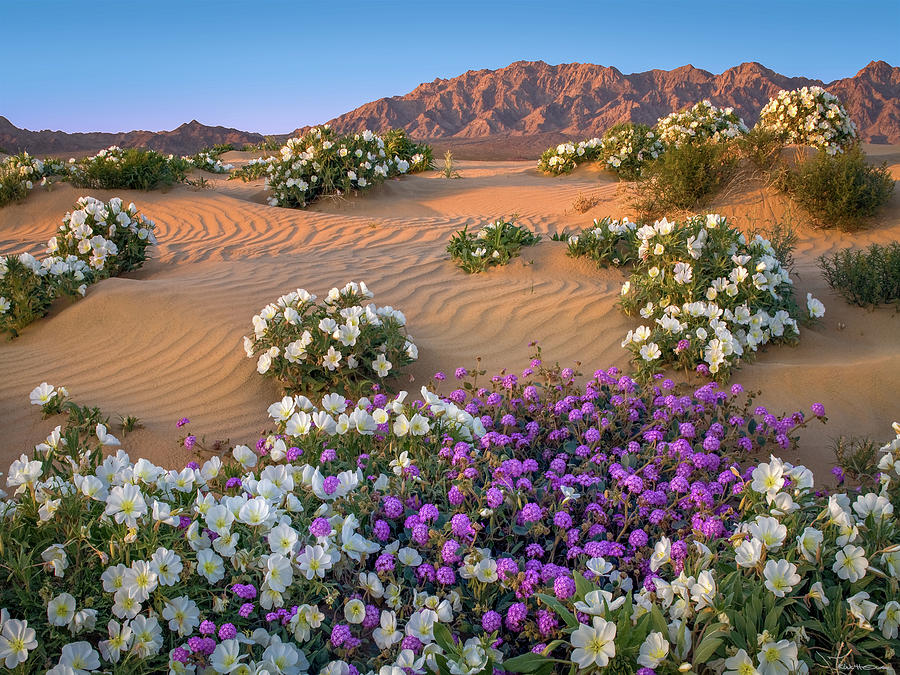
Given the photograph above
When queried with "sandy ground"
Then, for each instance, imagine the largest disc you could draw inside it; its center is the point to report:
(164, 343)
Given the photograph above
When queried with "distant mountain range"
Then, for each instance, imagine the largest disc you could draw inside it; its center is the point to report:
(186, 139)
(531, 103)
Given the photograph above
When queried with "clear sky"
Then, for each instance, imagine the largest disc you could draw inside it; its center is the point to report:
(272, 65)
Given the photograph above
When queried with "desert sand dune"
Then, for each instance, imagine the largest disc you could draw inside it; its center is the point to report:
(165, 342)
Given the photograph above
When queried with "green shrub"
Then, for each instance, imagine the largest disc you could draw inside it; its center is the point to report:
(840, 190)
(495, 244)
(398, 145)
(320, 163)
(866, 278)
(608, 242)
(339, 343)
(761, 147)
(710, 297)
(129, 169)
(270, 144)
(627, 148)
(25, 295)
(252, 170)
(684, 178)
(20, 173)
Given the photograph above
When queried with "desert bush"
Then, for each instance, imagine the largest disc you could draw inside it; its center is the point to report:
(495, 244)
(840, 190)
(320, 164)
(712, 298)
(809, 116)
(339, 343)
(566, 156)
(857, 459)
(25, 295)
(530, 524)
(761, 146)
(110, 237)
(867, 277)
(20, 173)
(95, 241)
(702, 123)
(270, 144)
(684, 178)
(627, 148)
(584, 202)
(781, 235)
(128, 169)
(419, 155)
(209, 161)
(252, 170)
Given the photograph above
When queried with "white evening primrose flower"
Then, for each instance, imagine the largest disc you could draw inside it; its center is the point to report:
(748, 552)
(662, 554)
(653, 650)
(781, 577)
(126, 504)
(650, 351)
(17, 639)
(245, 456)
(104, 437)
(809, 543)
(862, 609)
(769, 531)
(355, 611)
(227, 657)
(595, 644)
(210, 566)
(740, 664)
(815, 307)
(80, 657)
(42, 394)
(850, 563)
(778, 658)
(61, 609)
(888, 621)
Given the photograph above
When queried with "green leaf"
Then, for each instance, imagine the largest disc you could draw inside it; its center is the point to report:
(582, 585)
(444, 638)
(526, 663)
(707, 647)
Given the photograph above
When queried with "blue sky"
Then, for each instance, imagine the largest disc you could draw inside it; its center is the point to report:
(272, 65)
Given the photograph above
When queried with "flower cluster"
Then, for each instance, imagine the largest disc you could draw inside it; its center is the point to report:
(253, 170)
(711, 297)
(110, 237)
(701, 123)
(320, 163)
(810, 116)
(340, 342)
(498, 525)
(608, 242)
(95, 241)
(566, 156)
(495, 244)
(20, 173)
(208, 162)
(627, 148)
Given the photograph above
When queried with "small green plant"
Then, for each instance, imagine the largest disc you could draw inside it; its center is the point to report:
(200, 183)
(130, 423)
(867, 277)
(684, 178)
(129, 169)
(495, 244)
(841, 190)
(449, 170)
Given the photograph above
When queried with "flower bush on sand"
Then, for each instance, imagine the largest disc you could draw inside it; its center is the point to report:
(118, 168)
(495, 244)
(20, 173)
(711, 297)
(701, 123)
(566, 156)
(209, 161)
(530, 525)
(96, 240)
(338, 343)
(627, 148)
(321, 163)
(810, 116)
